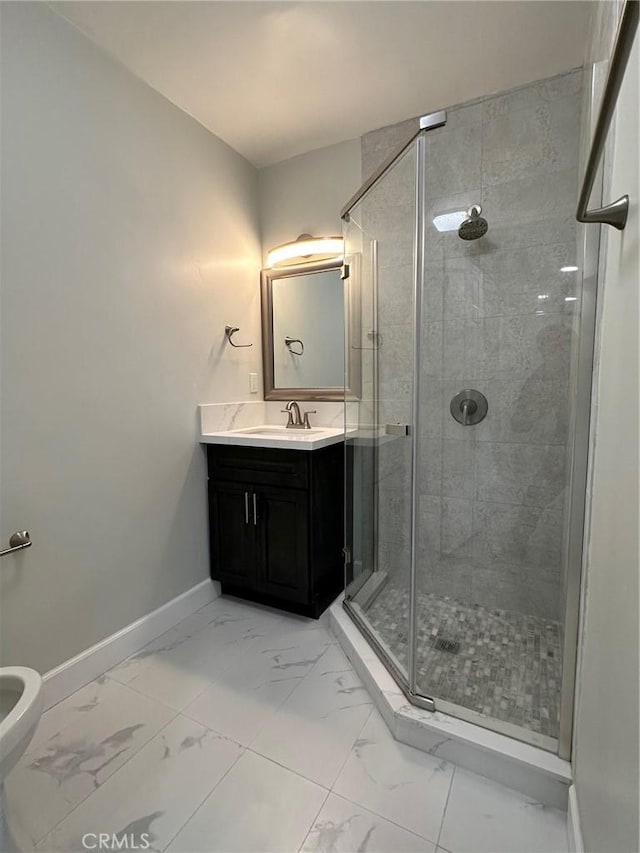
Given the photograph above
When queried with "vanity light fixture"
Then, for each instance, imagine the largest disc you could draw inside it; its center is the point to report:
(306, 249)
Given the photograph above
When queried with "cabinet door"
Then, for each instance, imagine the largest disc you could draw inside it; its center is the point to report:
(283, 537)
(233, 534)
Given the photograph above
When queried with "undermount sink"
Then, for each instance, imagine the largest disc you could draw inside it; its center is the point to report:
(272, 431)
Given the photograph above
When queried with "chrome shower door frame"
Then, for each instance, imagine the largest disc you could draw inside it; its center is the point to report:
(419, 256)
(580, 433)
(425, 124)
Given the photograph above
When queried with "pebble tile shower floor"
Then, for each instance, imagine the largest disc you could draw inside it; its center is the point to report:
(508, 665)
(245, 729)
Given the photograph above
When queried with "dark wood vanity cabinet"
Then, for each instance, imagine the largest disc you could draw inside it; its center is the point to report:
(276, 524)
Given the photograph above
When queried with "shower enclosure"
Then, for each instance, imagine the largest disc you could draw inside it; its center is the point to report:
(463, 487)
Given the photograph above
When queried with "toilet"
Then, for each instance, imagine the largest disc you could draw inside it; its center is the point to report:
(20, 710)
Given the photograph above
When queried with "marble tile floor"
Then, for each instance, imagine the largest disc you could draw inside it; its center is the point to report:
(508, 666)
(246, 729)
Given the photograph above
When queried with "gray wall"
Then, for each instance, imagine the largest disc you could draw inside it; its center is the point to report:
(492, 495)
(306, 193)
(606, 733)
(129, 238)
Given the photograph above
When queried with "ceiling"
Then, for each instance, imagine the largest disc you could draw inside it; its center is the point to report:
(276, 79)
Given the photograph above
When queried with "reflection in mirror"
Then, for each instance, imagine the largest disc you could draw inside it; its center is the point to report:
(308, 323)
(305, 311)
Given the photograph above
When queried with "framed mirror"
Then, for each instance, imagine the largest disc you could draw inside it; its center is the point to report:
(306, 311)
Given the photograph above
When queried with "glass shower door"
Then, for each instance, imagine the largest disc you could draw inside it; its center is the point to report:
(379, 248)
(464, 527)
(498, 347)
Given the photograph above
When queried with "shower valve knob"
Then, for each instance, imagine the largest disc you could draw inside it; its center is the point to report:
(469, 407)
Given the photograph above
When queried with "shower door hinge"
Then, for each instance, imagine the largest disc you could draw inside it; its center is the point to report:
(344, 271)
(424, 702)
(396, 429)
(346, 556)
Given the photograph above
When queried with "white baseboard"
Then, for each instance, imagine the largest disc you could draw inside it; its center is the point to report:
(574, 833)
(65, 679)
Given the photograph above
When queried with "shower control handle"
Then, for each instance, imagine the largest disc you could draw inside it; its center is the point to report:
(469, 407)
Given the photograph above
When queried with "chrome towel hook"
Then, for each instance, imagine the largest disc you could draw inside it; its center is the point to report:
(288, 341)
(230, 332)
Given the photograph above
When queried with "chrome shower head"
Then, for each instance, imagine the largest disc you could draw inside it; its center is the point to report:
(474, 226)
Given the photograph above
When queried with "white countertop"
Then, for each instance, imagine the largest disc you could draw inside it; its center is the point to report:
(272, 435)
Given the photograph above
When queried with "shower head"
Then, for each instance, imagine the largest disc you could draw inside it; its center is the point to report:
(474, 226)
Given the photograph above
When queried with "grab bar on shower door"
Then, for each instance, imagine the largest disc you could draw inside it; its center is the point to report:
(615, 213)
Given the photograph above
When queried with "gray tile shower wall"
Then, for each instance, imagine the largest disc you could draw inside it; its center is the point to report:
(499, 316)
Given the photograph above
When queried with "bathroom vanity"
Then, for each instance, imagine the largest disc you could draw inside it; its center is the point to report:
(276, 517)
(276, 490)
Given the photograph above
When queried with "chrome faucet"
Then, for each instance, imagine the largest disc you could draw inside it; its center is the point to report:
(297, 423)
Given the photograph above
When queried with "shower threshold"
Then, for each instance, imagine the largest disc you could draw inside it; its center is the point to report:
(530, 769)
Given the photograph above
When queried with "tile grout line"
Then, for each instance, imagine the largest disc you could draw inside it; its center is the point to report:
(160, 702)
(370, 702)
(210, 681)
(96, 790)
(186, 714)
(177, 713)
(307, 778)
(288, 769)
(444, 812)
(371, 811)
(471, 256)
(304, 677)
(480, 255)
(313, 822)
(154, 701)
(355, 740)
(367, 808)
(206, 797)
(245, 750)
(215, 680)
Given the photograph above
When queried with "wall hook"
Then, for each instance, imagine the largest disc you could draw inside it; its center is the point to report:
(230, 332)
(289, 341)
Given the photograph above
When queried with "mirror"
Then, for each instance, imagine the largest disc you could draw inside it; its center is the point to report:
(305, 310)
